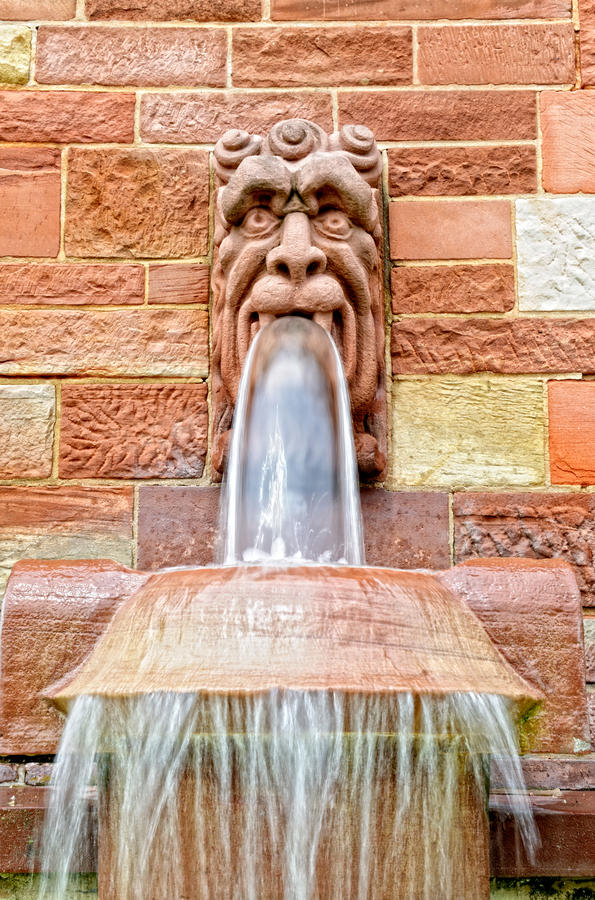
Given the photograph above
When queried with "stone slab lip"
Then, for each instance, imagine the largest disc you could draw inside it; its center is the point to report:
(247, 630)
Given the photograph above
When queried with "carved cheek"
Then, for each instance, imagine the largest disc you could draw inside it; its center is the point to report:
(244, 266)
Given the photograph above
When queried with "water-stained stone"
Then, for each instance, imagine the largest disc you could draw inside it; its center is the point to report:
(65, 117)
(27, 414)
(452, 289)
(142, 203)
(537, 525)
(63, 284)
(133, 431)
(406, 529)
(177, 525)
(571, 406)
(442, 171)
(15, 54)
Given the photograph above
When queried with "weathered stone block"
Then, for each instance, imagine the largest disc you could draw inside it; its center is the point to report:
(508, 346)
(175, 10)
(15, 54)
(442, 115)
(556, 253)
(30, 190)
(139, 203)
(179, 284)
(38, 284)
(572, 431)
(442, 171)
(27, 414)
(288, 57)
(496, 54)
(203, 118)
(131, 343)
(38, 774)
(587, 41)
(177, 526)
(130, 56)
(37, 10)
(406, 530)
(449, 432)
(452, 289)
(450, 229)
(66, 116)
(411, 9)
(8, 773)
(568, 145)
(536, 525)
(133, 431)
(589, 626)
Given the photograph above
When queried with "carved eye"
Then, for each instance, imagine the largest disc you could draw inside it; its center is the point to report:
(259, 220)
(333, 223)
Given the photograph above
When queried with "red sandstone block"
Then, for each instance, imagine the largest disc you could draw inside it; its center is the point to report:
(64, 117)
(452, 289)
(55, 284)
(587, 41)
(203, 118)
(543, 773)
(290, 57)
(175, 10)
(438, 171)
(572, 431)
(131, 56)
(540, 526)
(177, 526)
(591, 709)
(298, 10)
(568, 147)
(66, 510)
(131, 342)
(30, 191)
(509, 346)
(137, 202)
(589, 624)
(37, 10)
(450, 229)
(179, 284)
(133, 431)
(496, 54)
(406, 530)
(442, 115)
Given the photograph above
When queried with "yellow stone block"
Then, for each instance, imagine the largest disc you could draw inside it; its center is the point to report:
(15, 54)
(476, 431)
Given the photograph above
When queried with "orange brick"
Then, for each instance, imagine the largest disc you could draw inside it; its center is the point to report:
(572, 431)
(450, 229)
(496, 54)
(66, 116)
(441, 171)
(442, 115)
(587, 40)
(568, 126)
(30, 191)
(289, 57)
(452, 289)
(175, 10)
(179, 284)
(37, 10)
(53, 284)
(298, 10)
(203, 118)
(132, 56)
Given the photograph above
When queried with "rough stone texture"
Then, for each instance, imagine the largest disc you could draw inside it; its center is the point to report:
(286, 57)
(452, 289)
(7, 773)
(468, 432)
(38, 284)
(15, 54)
(175, 10)
(540, 526)
(30, 190)
(545, 774)
(38, 774)
(64, 523)
(66, 116)
(177, 526)
(531, 609)
(437, 171)
(296, 10)
(27, 414)
(179, 284)
(572, 431)
(133, 431)
(406, 530)
(508, 346)
(131, 56)
(139, 203)
(556, 253)
(135, 342)
(203, 118)
(587, 41)
(589, 625)
(442, 115)
(450, 229)
(36, 10)
(568, 145)
(496, 54)
(591, 709)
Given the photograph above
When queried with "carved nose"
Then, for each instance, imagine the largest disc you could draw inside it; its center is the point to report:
(296, 258)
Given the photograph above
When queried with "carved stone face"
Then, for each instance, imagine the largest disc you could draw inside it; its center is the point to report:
(297, 233)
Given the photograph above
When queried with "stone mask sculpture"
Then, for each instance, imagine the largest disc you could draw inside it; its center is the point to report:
(298, 232)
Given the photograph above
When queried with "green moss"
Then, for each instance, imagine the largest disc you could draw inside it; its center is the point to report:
(543, 889)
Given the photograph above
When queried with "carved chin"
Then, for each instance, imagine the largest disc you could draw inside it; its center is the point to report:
(320, 298)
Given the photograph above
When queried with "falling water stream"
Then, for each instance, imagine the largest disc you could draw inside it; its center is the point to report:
(283, 795)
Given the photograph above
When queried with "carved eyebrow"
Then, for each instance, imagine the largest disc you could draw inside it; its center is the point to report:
(256, 177)
(334, 172)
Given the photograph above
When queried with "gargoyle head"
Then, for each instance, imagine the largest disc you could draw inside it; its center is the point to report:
(298, 232)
